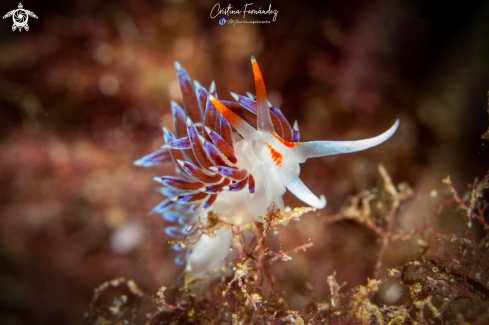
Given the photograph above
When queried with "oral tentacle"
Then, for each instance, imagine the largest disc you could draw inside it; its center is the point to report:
(294, 184)
(326, 148)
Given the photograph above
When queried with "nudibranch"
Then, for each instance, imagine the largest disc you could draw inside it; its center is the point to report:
(235, 159)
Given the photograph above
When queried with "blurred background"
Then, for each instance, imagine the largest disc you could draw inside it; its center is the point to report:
(85, 91)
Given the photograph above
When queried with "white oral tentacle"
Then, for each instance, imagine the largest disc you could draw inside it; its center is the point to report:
(299, 189)
(313, 149)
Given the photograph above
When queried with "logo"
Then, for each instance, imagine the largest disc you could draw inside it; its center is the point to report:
(20, 17)
(222, 21)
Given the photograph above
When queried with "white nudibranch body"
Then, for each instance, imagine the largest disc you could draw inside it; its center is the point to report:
(237, 160)
(261, 156)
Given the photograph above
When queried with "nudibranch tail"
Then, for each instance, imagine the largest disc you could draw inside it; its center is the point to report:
(235, 175)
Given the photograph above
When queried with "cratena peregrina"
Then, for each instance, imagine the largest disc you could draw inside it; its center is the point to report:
(235, 159)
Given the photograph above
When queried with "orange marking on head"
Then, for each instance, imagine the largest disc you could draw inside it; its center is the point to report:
(285, 143)
(261, 93)
(275, 155)
(229, 115)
